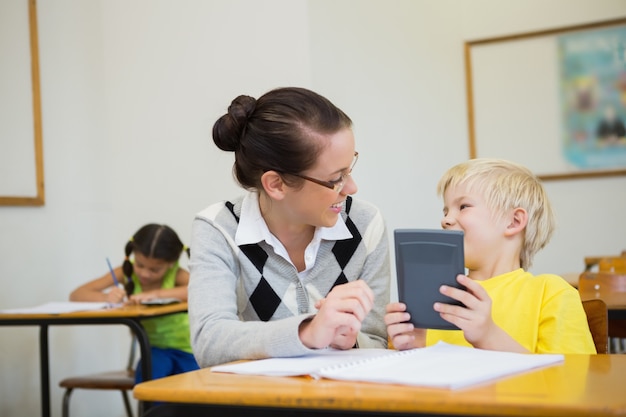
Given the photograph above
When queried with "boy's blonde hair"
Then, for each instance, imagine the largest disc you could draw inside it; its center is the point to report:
(506, 185)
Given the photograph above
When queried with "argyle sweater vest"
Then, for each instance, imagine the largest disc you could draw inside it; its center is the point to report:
(265, 298)
(247, 302)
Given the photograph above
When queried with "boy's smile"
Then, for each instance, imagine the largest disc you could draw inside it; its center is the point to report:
(465, 209)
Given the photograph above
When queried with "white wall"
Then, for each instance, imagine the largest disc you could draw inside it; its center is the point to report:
(130, 90)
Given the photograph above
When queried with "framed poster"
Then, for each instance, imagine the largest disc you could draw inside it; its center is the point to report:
(21, 149)
(553, 100)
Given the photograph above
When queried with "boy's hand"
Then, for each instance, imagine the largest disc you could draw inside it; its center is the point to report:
(402, 333)
(475, 318)
(339, 317)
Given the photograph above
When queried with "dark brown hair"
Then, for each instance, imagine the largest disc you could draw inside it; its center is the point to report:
(280, 131)
(157, 241)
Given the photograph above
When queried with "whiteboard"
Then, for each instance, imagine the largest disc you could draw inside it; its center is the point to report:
(515, 101)
(21, 162)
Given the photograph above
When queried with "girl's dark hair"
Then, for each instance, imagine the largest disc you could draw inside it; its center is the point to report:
(156, 241)
(280, 131)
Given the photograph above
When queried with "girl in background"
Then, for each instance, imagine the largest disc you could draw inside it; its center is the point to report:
(153, 272)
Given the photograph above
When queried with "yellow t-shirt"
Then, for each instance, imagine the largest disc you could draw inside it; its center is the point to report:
(543, 313)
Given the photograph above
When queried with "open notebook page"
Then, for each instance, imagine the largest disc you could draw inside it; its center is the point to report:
(302, 365)
(440, 366)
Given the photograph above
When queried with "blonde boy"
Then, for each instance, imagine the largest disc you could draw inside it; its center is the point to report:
(506, 218)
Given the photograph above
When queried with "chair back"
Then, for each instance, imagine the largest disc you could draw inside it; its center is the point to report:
(613, 264)
(611, 288)
(598, 320)
(602, 282)
(592, 262)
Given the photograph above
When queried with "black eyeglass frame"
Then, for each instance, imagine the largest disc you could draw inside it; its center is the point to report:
(337, 185)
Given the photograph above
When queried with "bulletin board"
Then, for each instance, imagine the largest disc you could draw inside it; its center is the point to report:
(541, 99)
(21, 151)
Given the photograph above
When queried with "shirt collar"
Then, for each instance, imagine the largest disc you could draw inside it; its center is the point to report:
(253, 229)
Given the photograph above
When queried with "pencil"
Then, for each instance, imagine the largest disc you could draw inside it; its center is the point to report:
(117, 283)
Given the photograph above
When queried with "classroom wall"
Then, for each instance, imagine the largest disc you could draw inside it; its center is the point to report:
(130, 90)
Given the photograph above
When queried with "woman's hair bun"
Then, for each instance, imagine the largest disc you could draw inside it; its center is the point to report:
(229, 129)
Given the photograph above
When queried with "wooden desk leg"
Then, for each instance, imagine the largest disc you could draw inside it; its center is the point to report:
(45, 370)
(146, 355)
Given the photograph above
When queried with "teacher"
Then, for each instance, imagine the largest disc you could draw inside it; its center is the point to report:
(296, 263)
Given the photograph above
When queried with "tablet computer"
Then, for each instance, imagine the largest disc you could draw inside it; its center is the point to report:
(425, 260)
(160, 301)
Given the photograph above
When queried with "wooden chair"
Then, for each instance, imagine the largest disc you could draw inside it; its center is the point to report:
(122, 380)
(604, 285)
(602, 282)
(612, 264)
(598, 319)
(593, 261)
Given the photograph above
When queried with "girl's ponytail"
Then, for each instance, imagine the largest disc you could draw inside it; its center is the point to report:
(127, 267)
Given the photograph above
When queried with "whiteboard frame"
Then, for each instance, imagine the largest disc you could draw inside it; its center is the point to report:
(476, 142)
(39, 198)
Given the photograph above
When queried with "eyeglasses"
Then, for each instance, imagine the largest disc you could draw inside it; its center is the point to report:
(336, 185)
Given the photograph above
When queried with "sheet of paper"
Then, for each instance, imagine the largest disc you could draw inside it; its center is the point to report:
(57, 307)
(301, 365)
(440, 366)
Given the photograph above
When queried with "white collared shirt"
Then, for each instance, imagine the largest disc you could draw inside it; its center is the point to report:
(253, 229)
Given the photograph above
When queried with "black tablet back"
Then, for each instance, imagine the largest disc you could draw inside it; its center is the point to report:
(426, 259)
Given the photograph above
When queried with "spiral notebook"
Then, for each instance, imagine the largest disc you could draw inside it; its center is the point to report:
(439, 366)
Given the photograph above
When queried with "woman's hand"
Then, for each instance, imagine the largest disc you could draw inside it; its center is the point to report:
(339, 317)
(402, 333)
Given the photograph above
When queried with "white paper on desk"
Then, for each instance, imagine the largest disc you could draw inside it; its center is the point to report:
(441, 366)
(301, 365)
(57, 307)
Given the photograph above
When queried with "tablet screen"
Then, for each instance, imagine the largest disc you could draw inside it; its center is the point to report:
(425, 260)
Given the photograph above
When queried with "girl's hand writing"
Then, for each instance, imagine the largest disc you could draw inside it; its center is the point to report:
(116, 295)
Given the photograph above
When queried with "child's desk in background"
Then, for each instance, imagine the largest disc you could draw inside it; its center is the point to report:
(129, 316)
(584, 385)
(615, 301)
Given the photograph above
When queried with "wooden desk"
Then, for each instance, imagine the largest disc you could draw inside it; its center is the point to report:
(615, 301)
(129, 316)
(584, 385)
